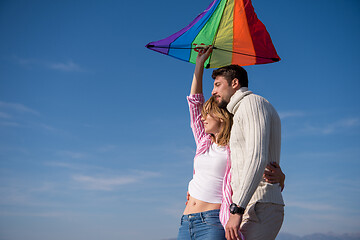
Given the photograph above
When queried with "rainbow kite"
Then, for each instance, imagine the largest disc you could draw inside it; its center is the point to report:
(231, 27)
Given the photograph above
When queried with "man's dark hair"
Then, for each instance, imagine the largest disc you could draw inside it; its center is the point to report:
(230, 72)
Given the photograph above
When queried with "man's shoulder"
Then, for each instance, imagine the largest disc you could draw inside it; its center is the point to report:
(254, 102)
(251, 98)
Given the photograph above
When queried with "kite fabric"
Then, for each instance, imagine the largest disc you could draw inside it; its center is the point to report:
(231, 27)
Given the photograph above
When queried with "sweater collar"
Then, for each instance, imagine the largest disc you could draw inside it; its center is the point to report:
(235, 99)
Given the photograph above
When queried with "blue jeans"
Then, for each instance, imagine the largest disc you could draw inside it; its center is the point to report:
(201, 226)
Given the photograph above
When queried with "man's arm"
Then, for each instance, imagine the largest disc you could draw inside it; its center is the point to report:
(253, 118)
(255, 124)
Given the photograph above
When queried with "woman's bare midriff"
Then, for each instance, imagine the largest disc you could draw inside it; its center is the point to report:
(195, 206)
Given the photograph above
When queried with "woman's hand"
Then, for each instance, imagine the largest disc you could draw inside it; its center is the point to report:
(187, 198)
(203, 54)
(273, 174)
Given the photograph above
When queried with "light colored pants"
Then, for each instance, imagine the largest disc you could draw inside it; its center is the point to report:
(262, 221)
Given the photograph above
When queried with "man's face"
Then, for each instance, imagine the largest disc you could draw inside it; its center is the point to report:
(222, 91)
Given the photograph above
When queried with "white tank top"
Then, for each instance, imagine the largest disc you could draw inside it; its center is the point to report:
(210, 168)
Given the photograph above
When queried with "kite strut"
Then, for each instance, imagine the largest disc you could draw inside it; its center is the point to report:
(225, 50)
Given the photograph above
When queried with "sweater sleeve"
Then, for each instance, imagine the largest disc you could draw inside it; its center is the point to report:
(196, 102)
(255, 124)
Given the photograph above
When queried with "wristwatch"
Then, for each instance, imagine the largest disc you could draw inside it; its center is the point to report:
(234, 209)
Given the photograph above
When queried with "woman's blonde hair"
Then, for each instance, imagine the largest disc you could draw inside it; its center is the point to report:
(211, 107)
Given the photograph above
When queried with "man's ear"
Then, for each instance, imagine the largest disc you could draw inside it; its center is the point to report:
(235, 84)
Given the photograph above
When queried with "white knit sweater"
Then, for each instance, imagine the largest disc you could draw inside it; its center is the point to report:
(255, 141)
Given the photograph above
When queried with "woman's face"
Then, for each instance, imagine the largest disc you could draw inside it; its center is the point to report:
(211, 124)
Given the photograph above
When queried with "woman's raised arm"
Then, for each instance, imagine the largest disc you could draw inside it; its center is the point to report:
(196, 85)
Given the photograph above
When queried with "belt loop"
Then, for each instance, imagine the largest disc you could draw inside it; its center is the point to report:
(202, 217)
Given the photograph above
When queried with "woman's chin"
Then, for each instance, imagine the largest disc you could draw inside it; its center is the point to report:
(210, 132)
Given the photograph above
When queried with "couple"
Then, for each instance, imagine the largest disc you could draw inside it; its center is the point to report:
(233, 194)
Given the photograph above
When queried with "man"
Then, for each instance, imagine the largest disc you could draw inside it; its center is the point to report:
(258, 207)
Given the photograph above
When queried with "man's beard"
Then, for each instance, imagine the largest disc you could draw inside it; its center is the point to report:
(222, 104)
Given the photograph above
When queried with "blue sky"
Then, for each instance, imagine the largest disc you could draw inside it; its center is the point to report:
(95, 140)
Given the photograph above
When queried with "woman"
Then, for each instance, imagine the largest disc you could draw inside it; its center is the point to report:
(209, 190)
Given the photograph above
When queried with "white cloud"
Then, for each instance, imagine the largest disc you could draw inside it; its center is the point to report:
(5, 115)
(311, 206)
(38, 214)
(311, 222)
(74, 155)
(44, 187)
(17, 119)
(10, 124)
(26, 62)
(291, 114)
(349, 122)
(62, 165)
(69, 66)
(107, 184)
(324, 128)
(17, 107)
(110, 183)
(108, 148)
(173, 209)
(49, 128)
(76, 166)
(343, 124)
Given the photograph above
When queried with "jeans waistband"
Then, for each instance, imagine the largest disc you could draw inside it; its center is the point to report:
(200, 215)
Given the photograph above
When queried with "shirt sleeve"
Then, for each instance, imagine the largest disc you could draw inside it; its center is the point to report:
(196, 102)
(255, 122)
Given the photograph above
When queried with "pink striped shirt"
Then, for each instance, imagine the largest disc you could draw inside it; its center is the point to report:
(203, 142)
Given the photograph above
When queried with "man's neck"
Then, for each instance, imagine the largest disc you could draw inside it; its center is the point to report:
(243, 89)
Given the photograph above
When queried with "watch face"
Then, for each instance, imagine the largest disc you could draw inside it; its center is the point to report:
(235, 209)
(232, 208)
